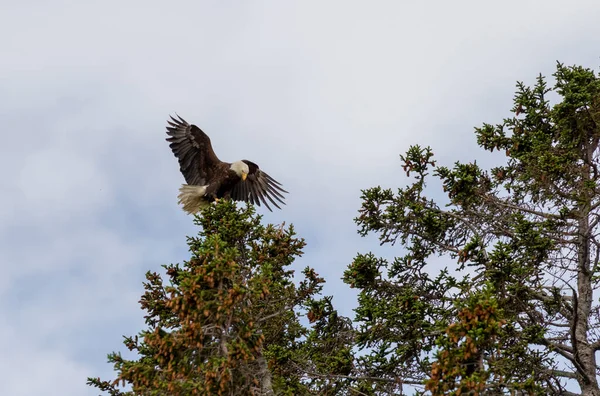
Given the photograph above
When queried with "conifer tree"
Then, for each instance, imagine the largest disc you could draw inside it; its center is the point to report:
(516, 307)
(227, 322)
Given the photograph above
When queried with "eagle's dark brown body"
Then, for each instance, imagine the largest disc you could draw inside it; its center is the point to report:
(227, 181)
(209, 178)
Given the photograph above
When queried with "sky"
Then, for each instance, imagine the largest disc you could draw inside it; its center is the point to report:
(324, 96)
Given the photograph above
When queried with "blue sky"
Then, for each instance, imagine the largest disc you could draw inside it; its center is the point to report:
(323, 95)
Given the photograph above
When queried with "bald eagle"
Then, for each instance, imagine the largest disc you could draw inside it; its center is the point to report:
(209, 179)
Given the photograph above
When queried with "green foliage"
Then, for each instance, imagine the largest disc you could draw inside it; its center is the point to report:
(462, 346)
(519, 234)
(227, 321)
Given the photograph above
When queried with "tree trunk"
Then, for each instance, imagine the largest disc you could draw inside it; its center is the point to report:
(583, 351)
(265, 377)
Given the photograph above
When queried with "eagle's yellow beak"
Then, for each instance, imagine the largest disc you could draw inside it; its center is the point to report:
(244, 176)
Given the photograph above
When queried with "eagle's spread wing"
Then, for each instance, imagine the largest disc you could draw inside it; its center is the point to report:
(258, 186)
(192, 148)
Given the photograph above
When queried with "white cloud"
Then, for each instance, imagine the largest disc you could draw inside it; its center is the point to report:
(60, 178)
(33, 370)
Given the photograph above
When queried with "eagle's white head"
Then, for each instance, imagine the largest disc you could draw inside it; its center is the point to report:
(241, 169)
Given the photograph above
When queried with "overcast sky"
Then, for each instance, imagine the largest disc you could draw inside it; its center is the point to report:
(323, 95)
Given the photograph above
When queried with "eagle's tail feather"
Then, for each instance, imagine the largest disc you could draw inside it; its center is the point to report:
(192, 198)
